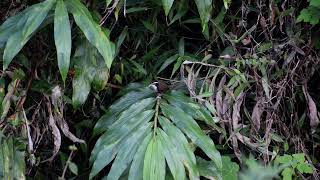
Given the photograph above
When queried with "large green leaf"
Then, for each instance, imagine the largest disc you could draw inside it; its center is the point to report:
(205, 10)
(124, 106)
(193, 131)
(135, 172)
(183, 147)
(171, 154)
(108, 144)
(167, 145)
(207, 169)
(11, 25)
(92, 30)
(84, 59)
(34, 16)
(12, 165)
(62, 38)
(154, 161)
(127, 152)
(167, 4)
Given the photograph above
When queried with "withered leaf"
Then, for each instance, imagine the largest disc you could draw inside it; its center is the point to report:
(257, 113)
(219, 98)
(312, 109)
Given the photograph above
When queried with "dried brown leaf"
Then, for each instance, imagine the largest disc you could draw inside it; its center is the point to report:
(65, 129)
(312, 109)
(236, 111)
(257, 113)
(56, 136)
(219, 98)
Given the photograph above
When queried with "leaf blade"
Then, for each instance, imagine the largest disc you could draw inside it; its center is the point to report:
(62, 38)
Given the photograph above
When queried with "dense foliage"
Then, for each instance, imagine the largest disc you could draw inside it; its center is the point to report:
(170, 89)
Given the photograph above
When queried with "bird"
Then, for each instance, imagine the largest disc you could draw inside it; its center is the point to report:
(159, 86)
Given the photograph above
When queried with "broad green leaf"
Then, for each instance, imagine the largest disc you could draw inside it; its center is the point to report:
(62, 38)
(183, 147)
(73, 168)
(34, 17)
(178, 99)
(304, 168)
(84, 58)
(13, 165)
(92, 30)
(205, 10)
(154, 161)
(287, 173)
(108, 144)
(101, 77)
(129, 106)
(299, 157)
(135, 172)
(11, 25)
(193, 131)
(229, 169)
(315, 3)
(127, 151)
(120, 129)
(172, 156)
(167, 4)
(283, 159)
(207, 169)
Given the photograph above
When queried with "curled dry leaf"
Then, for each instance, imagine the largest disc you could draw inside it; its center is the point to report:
(219, 98)
(235, 120)
(56, 98)
(55, 132)
(236, 111)
(256, 114)
(312, 109)
(65, 129)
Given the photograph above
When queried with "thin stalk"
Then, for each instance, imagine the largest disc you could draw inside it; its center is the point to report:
(155, 120)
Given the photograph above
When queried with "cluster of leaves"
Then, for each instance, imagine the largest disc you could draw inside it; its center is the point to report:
(311, 14)
(241, 78)
(128, 136)
(16, 31)
(295, 162)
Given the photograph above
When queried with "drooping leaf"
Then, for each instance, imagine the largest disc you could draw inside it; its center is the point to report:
(171, 155)
(62, 37)
(154, 161)
(183, 147)
(11, 25)
(92, 31)
(108, 144)
(34, 16)
(193, 131)
(127, 151)
(205, 10)
(135, 172)
(120, 105)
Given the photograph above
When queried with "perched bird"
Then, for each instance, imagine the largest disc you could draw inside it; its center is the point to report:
(159, 86)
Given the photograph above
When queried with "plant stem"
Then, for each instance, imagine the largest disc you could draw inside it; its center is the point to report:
(155, 120)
